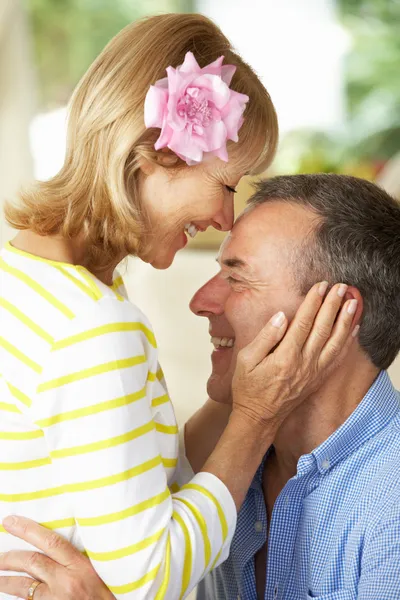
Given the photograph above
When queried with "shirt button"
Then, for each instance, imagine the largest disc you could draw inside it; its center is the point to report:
(325, 463)
(258, 526)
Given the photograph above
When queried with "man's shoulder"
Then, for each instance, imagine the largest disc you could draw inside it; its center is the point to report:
(374, 476)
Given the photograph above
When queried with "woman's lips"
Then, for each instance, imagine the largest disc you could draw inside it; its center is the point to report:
(184, 239)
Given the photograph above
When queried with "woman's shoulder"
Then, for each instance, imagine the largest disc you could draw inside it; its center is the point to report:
(114, 318)
(110, 330)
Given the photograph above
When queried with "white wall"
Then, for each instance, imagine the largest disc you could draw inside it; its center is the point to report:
(296, 47)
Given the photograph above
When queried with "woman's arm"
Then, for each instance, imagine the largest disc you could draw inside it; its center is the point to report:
(111, 436)
(203, 430)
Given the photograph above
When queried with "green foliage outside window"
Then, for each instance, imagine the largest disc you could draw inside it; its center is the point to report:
(69, 34)
(372, 71)
(373, 75)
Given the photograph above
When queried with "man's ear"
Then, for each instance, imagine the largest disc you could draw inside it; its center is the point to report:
(354, 294)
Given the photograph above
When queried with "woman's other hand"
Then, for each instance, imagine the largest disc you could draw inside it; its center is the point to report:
(64, 572)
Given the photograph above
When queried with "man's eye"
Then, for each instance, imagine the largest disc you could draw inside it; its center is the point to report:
(232, 280)
(231, 189)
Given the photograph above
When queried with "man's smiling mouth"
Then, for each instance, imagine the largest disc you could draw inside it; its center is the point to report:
(222, 342)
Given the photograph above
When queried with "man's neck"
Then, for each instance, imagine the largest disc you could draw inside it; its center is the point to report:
(322, 413)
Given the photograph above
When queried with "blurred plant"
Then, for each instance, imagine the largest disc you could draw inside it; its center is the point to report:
(68, 35)
(371, 134)
(372, 75)
(306, 151)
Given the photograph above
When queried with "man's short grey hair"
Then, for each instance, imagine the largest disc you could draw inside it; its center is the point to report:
(356, 240)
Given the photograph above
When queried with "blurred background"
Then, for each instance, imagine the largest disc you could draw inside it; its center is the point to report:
(331, 67)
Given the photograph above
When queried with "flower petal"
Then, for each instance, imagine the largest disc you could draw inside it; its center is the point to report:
(232, 115)
(176, 122)
(214, 135)
(213, 68)
(165, 137)
(183, 143)
(227, 73)
(155, 106)
(218, 91)
(222, 153)
(190, 64)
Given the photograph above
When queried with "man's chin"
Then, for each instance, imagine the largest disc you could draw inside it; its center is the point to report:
(219, 390)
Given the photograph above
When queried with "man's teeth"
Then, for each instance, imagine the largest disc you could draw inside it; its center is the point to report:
(191, 229)
(224, 342)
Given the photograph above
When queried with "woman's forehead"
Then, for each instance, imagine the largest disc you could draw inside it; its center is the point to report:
(230, 171)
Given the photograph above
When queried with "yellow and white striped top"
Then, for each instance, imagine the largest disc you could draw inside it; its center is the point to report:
(88, 437)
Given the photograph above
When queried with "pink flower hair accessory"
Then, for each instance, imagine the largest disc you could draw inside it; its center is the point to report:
(195, 109)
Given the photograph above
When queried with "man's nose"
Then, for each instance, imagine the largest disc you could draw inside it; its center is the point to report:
(210, 299)
(224, 219)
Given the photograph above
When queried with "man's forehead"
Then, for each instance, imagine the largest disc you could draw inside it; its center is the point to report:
(263, 231)
(232, 254)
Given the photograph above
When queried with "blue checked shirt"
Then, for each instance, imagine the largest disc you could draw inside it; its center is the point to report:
(335, 529)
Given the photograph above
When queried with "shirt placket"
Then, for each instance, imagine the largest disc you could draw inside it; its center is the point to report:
(282, 536)
(258, 536)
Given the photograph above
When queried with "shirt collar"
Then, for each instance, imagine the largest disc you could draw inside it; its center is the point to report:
(378, 407)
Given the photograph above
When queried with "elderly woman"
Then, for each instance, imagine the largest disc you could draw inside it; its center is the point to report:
(161, 129)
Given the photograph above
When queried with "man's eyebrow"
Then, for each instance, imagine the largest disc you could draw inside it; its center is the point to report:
(234, 263)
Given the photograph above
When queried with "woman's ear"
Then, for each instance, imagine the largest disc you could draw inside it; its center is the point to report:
(163, 158)
(354, 294)
(146, 166)
(167, 158)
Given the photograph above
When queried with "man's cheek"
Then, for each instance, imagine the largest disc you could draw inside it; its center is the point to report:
(246, 337)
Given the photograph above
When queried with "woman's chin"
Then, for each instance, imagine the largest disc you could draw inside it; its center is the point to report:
(161, 265)
(164, 259)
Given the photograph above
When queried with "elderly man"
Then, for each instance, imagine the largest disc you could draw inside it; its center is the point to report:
(322, 516)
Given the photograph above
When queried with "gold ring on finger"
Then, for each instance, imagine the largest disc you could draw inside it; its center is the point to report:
(33, 589)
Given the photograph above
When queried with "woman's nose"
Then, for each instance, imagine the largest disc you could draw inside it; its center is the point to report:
(224, 219)
(210, 299)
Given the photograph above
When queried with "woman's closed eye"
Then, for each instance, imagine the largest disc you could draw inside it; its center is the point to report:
(231, 189)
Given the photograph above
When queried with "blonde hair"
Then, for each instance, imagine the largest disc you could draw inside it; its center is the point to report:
(96, 191)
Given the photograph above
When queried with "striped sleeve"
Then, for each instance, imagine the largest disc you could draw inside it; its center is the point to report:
(113, 444)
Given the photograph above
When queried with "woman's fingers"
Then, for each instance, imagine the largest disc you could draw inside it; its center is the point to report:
(34, 563)
(19, 587)
(325, 320)
(66, 574)
(270, 335)
(342, 336)
(303, 321)
(49, 542)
